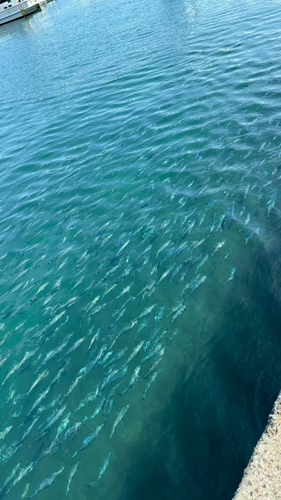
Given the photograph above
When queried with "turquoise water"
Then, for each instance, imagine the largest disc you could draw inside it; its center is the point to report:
(139, 247)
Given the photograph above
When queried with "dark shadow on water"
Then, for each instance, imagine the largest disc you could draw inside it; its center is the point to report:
(216, 417)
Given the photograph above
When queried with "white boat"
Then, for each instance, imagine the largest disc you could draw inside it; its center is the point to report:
(14, 9)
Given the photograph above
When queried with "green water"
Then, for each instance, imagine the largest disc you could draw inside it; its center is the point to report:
(139, 247)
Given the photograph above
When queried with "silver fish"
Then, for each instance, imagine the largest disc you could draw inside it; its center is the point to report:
(153, 368)
(179, 312)
(247, 220)
(146, 311)
(72, 472)
(134, 352)
(163, 248)
(27, 432)
(156, 349)
(202, 262)
(53, 419)
(218, 246)
(63, 424)
(230, 277)
(72, 430)
(91, 396)
(251, 234)
(4, 433)
(38, 401)
(198, 282)
(22, 473)
(165, 274)
(150, 382)
(102, 470)
(134, 378)
(72, 386)
(271, 202)
(75, 345)
(96, 412)
(94, 338)
(53, 353)
(89, 439)
(48, 482)
(120, 415)
(39, 378)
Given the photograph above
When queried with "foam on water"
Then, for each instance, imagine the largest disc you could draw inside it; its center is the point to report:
(139, 247)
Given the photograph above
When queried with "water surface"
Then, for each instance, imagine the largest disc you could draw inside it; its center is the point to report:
(139, 247)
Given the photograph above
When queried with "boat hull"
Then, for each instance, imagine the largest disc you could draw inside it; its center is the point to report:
(17, 11)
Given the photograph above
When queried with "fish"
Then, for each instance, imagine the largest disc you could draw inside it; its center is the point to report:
(198, 282)
(4, 433)
(25, 491)
(93, 435)
(163, 248)
(40, 289)
(94, 338)
(107, 407)
(251, 234)
(22, 473)
(107, 379)
(96, 412)
(190, 225)
(72, 430)
(230, 277)
(152, 353)
(91, 304)
(134, 378)
(271, 202)
(91, 396)
(159, 315)
(247, 220)
(153, 368)
(102, 470)
(56, 318)
(75, 345)
(134, 352)
(202, 262)
(98, 357)
(247, 190)
(68, 304)
(126, 290)
(218, 246)
(146, 311)
(8, 479)
(165, 274)
(72, 386)
(26, 432)
(5, 359)
(179, 311)
(54, 352)
(143, 324)
(57, 414)
(72, 472)
(109, 289)
(63, 425)
(16, 367)
(48, 482)
(39, 378)
(150, 382)
(123, 246)
(38, 401)
(120, 415)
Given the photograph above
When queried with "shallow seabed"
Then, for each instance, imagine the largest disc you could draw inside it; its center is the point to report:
(140, 245)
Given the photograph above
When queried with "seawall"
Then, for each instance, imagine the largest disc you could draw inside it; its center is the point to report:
(262, 477)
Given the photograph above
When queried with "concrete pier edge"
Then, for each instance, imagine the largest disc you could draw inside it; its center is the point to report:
(262, 477)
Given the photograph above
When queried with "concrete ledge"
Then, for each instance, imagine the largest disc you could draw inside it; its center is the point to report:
(262, 477)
